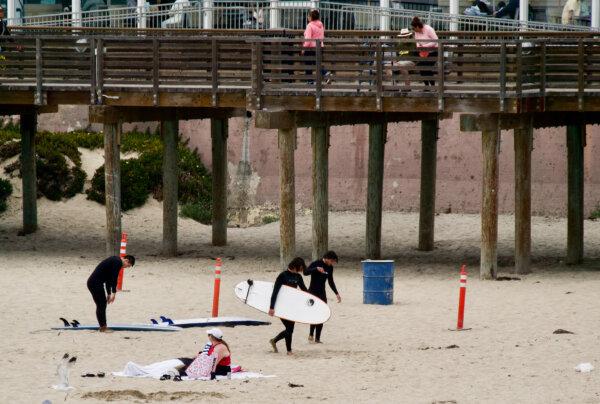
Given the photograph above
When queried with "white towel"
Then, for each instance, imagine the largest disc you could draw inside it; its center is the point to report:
(156, 370)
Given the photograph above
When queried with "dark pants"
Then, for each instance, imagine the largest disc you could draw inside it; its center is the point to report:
(310, 55)
(222, 370)
(99, 297)
(318, 328)
(287, 334)
(428, 73)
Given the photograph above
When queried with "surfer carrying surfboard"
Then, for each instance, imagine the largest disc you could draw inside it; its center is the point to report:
(105, 276)
(292, 278)
(321, 271)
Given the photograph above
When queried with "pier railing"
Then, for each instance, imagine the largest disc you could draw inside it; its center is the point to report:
(253, 14)
(262, 69)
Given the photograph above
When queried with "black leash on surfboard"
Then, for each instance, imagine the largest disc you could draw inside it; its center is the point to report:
(250, 283)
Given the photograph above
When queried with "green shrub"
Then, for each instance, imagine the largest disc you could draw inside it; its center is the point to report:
(55, 180)
(595, 215)
(9, 149)
(135, 185)
(270, 219)
(199, 211)
(5, 191)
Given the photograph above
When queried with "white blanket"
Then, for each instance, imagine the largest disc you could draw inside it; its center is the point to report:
(169, 367)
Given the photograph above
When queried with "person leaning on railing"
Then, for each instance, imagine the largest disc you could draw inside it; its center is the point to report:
(427, 47)
(404, 51)
(314, 30)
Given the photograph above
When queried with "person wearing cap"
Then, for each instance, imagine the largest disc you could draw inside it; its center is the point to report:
(105, 277)
(321, 271)
(404, 51)
(290, 277)
(221, 350)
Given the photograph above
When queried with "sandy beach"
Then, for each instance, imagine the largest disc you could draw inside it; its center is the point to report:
(398, 353)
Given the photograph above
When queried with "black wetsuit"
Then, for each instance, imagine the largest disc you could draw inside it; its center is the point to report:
(317, 288)
(104, 276)
(3, 30)
(293, 280)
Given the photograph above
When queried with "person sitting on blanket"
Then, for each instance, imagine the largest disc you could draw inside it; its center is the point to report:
(220, 349)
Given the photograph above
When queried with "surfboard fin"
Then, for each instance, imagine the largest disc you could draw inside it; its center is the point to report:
(153, 321)
(166, 320)
(75, 323)
(250, 283)
(65, 322)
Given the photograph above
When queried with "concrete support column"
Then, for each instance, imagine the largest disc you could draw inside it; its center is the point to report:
(575, 217)
(208, 12)
(170, 131)
(76, 13)
(429, 135)
(384, 21)
(274, 14)
(219, 130)
(377, 138)
(595, 13)
(523, 144)
(112, 186)
(287, 195)
(28, 172)
(320, 178)
(454, 6)
(11, 11)
(141, 14)
(489, 205)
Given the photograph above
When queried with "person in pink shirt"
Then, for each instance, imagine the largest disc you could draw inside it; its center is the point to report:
(314, 30)
(427, 47)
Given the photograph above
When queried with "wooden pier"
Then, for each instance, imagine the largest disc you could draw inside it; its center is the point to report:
(496, 82)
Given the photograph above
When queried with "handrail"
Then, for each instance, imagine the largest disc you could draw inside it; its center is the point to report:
(502, 69)
(249, 14)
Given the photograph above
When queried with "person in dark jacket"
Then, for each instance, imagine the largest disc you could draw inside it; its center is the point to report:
(321, 271)
(105, 277)
(290, 277)
(3, 26)
(508, 11)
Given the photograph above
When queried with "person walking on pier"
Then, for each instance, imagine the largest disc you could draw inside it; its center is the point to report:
(427, 47)
(321, 271)
(290, 277)
(314, 30)
(105, 276)
(3, 28)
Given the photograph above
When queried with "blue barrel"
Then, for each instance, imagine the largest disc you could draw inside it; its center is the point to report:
(378, 281)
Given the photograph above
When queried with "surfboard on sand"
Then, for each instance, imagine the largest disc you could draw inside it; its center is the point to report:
(209, 322)
(291, 304)
(75, 326)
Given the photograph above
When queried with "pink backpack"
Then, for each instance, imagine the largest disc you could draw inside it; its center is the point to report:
(201, 367)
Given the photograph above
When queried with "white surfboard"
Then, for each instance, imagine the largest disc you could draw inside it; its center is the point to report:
(291, 304)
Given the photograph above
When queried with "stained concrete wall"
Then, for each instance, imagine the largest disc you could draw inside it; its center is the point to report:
(459, 164)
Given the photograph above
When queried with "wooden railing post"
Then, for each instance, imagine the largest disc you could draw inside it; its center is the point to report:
(379, 74)
(215, 71)
(318, 73)
(257, 74)
(503, 76)
(580, 73)
(519, 75)
(440, 83)
(100, 69)
(39, 72)
(155, 71)
(543, 69)
(93, 87)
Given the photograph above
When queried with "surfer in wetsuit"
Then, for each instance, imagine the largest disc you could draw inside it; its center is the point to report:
(319, 272)
(290, 277)
(105, 276)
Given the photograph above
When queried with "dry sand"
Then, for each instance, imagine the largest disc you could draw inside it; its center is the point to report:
(395, 353)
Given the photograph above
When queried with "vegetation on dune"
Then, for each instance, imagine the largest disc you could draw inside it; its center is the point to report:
(60, 175)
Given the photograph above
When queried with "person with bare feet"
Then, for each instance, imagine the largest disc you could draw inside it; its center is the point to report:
(105, 276)
(290, 277)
